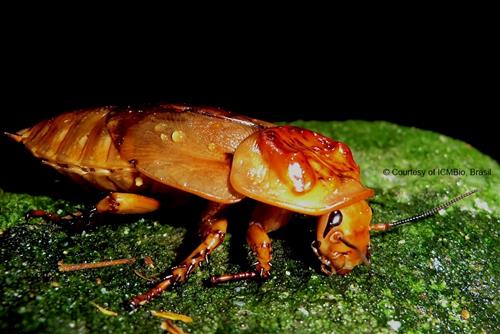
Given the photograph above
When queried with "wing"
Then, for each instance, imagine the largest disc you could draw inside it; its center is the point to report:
(297, 169)
(187, 148)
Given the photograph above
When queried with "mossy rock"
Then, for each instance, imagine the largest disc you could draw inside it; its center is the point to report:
(440, 275)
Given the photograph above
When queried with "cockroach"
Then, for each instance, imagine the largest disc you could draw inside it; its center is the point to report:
(222, 157)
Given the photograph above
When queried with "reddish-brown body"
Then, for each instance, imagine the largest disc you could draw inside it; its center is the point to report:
(84, 145)
(223, 158)
(213, 154)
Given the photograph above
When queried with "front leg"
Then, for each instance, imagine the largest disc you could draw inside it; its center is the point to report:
(261, 246)
(212, 230)
(265, 219)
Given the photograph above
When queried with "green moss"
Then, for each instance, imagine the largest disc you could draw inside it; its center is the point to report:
(421, 277)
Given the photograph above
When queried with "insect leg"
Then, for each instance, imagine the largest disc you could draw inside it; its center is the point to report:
(261, 245)
(212, 230)
(127, 203)
(76, 220)
(265, 219)
(114, 203)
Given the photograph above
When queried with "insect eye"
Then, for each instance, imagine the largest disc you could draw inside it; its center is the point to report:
(335, 219)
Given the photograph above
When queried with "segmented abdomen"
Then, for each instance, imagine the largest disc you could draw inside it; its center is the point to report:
(78, 144)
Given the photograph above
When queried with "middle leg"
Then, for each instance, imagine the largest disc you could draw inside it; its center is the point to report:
(212, 230)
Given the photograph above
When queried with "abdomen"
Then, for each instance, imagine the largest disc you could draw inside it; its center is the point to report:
(78, 144)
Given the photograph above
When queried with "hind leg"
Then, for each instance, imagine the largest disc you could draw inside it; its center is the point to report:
(114, 203)
(126, 203)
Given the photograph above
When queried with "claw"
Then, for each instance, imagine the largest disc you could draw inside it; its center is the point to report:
(139, 300)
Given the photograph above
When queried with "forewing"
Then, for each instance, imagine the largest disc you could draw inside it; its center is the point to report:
(187, 148)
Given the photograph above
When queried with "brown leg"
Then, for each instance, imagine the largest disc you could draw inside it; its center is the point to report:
(261, 245)
(75, 220)
(265, 219)
(126, 203)
(114, 203)
(212, 230)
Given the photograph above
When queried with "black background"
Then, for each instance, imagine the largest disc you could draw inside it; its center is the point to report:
(432, 94)
(441, 82)
(457, 109)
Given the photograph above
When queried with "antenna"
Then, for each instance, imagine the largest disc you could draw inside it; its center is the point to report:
(422, 215)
